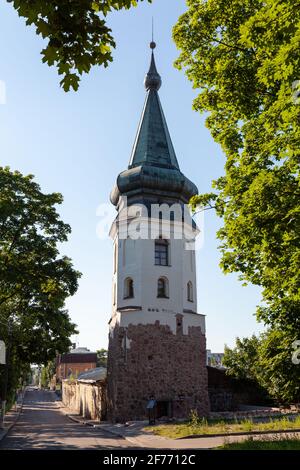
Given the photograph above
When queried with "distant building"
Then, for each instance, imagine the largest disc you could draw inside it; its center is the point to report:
(214, 359)
(75, 362)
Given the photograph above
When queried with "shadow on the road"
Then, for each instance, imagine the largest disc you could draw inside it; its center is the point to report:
(43, 426)
(42, 437)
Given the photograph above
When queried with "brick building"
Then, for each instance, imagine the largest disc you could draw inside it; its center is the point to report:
(74, 363)
(157, 345)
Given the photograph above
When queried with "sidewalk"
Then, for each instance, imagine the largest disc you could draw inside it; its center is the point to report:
(135, 434)
(12, 416)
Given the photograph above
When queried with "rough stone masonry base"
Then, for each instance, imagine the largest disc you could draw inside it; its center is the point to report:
(150, 361)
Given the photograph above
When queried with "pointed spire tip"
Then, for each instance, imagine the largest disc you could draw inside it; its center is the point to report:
(152, 79)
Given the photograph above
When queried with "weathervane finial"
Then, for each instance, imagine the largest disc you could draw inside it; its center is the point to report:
(152, 80)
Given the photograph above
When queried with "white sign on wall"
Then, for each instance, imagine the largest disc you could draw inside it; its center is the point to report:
(2, 352)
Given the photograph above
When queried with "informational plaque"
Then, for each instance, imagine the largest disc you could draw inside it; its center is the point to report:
(2, 352)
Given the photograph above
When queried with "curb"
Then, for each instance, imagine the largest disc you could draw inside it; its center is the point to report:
(6, 431)
(87, 423)
(247, 433)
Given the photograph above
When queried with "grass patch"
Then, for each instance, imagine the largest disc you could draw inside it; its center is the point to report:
(263, 444)
(202, 426)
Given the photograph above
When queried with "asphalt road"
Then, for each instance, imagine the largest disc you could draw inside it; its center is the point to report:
(42, 425)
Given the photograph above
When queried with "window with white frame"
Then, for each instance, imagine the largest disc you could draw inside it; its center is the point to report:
(161, 252)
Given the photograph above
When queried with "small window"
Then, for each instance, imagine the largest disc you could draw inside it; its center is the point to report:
(161, 252)
(190, 296)
(128, 288)
(163, 288)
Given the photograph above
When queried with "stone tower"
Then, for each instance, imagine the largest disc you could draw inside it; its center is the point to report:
(157, 347)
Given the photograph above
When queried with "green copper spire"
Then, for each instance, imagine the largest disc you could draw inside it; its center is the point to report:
(153, 145)
(153, 174)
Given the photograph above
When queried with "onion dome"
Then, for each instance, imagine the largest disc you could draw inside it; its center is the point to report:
(152, 80)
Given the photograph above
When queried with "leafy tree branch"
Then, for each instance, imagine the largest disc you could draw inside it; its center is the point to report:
(76, 32)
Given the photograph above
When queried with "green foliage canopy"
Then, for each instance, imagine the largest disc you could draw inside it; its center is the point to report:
(34, 279)
(47, 373)
(267, 360)
(243, 57)
(102, 357)
(77, 33)
(241, 362)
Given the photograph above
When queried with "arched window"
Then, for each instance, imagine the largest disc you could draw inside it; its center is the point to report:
(128, 288)
(161, 252)
(190, 295)
(163, 288)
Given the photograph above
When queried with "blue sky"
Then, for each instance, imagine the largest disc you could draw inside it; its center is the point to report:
(77, 143)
